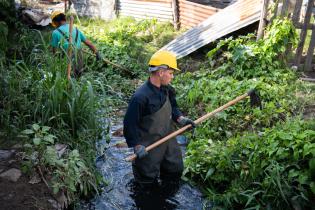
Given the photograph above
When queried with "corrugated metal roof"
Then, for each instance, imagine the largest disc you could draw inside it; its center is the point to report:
(192, 14)
(161, 10)
(230, 19)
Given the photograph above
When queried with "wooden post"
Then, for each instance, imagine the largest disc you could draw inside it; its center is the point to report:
(69, 4)
(116, 8)
(297, 11)
(285, 8)
(263, 19)
(310, 51)
(70, 49)
(307, 19)
(175, 14)
(65, 6)
(275, 11)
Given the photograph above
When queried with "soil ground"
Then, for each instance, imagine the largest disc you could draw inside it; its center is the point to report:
(21, 195)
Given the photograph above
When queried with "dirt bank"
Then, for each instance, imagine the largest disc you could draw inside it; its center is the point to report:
(17, 192)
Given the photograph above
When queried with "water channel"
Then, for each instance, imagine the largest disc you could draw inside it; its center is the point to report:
(121, 192)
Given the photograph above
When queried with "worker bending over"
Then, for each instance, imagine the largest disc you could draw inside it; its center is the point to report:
(60, 39)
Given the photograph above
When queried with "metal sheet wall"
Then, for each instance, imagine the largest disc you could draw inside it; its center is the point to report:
(230, 19)
(191, 14)
(104, 9)
(159, 9)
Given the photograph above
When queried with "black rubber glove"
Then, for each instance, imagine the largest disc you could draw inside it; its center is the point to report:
(140, 151)
(98, 56)
(186, 121)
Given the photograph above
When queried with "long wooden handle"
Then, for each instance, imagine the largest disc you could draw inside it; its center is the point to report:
(109, 62)
(70, 48)
(199, 120)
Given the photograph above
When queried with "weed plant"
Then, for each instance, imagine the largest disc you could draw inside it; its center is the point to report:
(129, 42)
(35, 93)
(245, 157)
(70, 173)
(272, 169)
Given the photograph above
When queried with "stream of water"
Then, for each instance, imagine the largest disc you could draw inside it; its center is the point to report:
(122, 193)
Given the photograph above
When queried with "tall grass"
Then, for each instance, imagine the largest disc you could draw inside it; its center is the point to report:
(35, 89)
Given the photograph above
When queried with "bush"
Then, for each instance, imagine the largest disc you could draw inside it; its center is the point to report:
(246, 157)
(128, 42)
(274, 168)
(245, 58)
(68, 172)
(36, 92)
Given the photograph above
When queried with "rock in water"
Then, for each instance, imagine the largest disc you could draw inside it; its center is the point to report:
(6, 154)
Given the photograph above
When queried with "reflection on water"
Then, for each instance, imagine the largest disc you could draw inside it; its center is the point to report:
(123, 193)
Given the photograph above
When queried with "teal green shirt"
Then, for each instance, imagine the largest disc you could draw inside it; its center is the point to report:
(58, 40)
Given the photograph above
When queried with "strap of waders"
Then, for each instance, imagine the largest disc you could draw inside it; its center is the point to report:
(66, 36)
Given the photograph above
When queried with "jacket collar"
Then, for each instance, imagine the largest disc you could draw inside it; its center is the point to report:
(154, 88)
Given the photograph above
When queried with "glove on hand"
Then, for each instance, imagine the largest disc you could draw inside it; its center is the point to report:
(186, 121)
(140, 151)
(98, 56)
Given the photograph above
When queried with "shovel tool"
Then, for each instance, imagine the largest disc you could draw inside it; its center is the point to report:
(109, 62)
(254, 101)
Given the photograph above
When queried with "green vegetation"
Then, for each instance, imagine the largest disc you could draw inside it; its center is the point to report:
(35, 93)
(69, 171)
(272, 169)
(245, 65)
(246, 157)
(129, 42)
(126, 42)
(7, 12)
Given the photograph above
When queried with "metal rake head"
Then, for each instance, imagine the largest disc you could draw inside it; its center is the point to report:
(255, 100)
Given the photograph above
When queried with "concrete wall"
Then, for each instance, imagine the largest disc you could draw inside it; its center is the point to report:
(104, 9)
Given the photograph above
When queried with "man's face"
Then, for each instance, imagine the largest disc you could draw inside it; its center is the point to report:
(166, 76)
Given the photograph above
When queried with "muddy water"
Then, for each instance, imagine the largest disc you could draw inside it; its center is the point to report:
(122, 193)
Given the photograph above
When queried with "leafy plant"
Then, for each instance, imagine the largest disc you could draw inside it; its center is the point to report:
(247, 158)
(68, 172)
(245, 57)
(128, 42)
(273, 168)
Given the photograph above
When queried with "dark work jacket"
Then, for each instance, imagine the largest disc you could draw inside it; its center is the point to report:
(147, 100)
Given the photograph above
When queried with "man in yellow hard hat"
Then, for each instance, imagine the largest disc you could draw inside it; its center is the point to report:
(60, 39)
(150, 116)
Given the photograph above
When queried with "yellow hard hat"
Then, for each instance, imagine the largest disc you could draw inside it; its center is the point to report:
(164, 58)
(53, 15)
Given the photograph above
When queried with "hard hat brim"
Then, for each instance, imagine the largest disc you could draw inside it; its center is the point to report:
(156, 68)
(176, 69)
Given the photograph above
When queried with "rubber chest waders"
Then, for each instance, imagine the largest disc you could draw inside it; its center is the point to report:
(164, 159)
